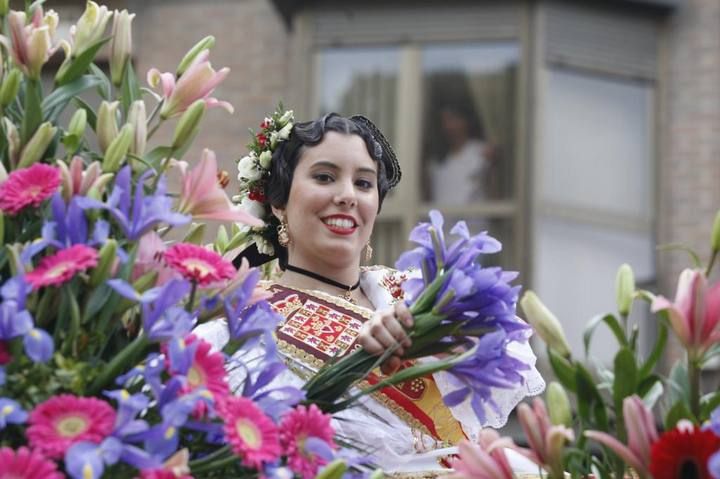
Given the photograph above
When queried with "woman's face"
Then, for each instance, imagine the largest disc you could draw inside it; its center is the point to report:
(332, 204)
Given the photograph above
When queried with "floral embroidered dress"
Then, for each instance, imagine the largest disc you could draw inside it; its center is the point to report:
(399, 423)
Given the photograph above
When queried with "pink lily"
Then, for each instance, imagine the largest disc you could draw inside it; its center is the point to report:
(78, 180)
(695, 314)
(546, 440)
(484, 460)
(203, 197)
(642, 433)
(197, 83)
(149, 258)
(31, 45)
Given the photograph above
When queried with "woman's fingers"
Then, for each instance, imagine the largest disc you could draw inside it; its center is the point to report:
(391, 365)
(402, 313)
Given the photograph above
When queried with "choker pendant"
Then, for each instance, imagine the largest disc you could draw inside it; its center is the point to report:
(347, 296)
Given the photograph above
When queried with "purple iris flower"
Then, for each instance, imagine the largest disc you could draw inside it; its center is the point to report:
(714, 461)
(16, 290)
(2, 375)
(250, 325)
(163, 319)
(69, 227)
(490, 366)
(181, 355)
(151, 371)
(11, 413)
(13, 321)
(38, 345)
(85, 457)
(275, 471)
(128, 407)
(161, 440)
(137, 214)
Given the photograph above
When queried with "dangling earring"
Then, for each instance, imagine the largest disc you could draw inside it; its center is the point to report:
(282, 231)
(368, 252)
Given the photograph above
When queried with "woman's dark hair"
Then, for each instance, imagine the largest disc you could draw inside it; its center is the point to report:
(310, 133)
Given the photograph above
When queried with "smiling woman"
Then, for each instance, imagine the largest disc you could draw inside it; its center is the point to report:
(320, 192)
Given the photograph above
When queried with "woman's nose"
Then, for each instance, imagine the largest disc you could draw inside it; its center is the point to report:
(345, 194)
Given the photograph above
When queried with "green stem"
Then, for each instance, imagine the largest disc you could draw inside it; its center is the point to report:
(126, 358)
(210, 466)
(154, 112)
(210, 457)
(71, 341)
(191, 299)
(711, 263)
(694, 380)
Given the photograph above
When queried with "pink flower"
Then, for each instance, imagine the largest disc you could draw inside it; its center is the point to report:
(204, 198)
(297, 427)
(695, 314)
(198, 264)
(78, 180)
(251, 434)
(149, 258)
(62, 266)
(545, 439)
(64, 420)
(198, 82)
(207, 370)
(26, 464)
(642, 434)
(28, 187)
(485, 460)
(31, 45)
(5, 356)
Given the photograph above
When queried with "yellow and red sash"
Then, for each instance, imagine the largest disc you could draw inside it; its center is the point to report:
(320, 327)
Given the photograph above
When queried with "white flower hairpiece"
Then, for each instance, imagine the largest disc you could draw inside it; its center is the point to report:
(254, 170)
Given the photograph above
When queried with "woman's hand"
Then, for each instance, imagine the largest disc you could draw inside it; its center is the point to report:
(386, 328)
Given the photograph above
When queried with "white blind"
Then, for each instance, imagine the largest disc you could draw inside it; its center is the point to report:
(613, 40)
(416, 22)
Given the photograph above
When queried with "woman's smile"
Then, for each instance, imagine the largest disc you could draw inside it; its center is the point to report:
(341, 224)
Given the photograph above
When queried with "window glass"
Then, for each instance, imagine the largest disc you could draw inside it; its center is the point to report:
(469, 93)
(360, 81)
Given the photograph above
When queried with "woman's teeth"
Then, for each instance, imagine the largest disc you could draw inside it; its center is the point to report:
(339, 222)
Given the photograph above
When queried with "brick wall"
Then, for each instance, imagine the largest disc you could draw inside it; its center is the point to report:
(689, 193)
(250, 39)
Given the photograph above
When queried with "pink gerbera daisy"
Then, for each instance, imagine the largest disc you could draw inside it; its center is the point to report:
(26, 464)
(297, 426)
(28, 186)
(62, 266)
(5, 356)
(198, 264)
(252, 435)
(61, 421)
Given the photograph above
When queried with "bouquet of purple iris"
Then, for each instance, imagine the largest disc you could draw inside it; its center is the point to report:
(464, 320)
(100, 372)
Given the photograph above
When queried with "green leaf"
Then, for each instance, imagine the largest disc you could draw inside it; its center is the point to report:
(33, 113)
(681, 247)
(612, 322)
(708, 403)
(563, 369)
(105, 86)
(91, 116)
(657, 352)
(710, 354)
(56, 101)
(679, 384)
(678, 411)
(591, 406)
(130, 90)
(98, 298)
(625, 383)
(79, 65)
(651, 395)
(157, 155)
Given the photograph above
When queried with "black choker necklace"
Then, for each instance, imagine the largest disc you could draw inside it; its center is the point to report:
(347, 288)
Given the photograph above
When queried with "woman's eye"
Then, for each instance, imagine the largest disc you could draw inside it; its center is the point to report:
(323, 177)
(364, 184)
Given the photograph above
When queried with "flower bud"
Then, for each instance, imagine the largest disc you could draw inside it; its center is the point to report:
(107, 128)
(265, 158)
(35, 148)
(247, 169)
(98, 187)
(624, 289)
(120, 45)
(78, 122)
(284, 133)
(545, 323)
(137, 117)
(13, 139)
(10, 87)
(558, 405)
(3, 172)
(196, 234)
(90, 28)
(103, 271)
(188, 125)
(4, 7)
(715, 238)
(205, 44)
(39, 47)
(118, 149)
(285, 118)
(334, 470)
